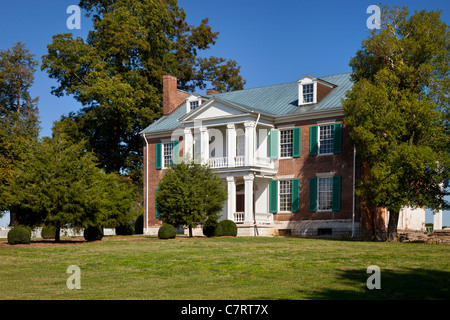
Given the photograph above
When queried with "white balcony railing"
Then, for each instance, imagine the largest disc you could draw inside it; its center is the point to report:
(218, 162)
(238, 217)
(239, 161)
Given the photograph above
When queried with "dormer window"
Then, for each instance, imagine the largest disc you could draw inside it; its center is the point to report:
(312, 90)
(192, 103)
(308, 93)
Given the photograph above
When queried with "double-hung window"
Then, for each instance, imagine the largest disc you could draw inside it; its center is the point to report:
(308, 93)
(167, 154)
(286, 143)
(194, 104)
(326, 139)
(325, 193)
(285, 195)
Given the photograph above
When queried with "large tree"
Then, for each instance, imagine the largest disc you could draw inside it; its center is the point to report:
(398, 112)
(190, 194)
(116, 73)
(19, 125)
(59, 184)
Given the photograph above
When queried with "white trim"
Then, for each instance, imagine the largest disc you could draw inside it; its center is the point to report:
(325, 174)
(319, 176)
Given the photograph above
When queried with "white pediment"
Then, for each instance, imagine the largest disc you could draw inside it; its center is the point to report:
(215, 110)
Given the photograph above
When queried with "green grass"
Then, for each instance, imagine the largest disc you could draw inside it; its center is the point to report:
(225, 268)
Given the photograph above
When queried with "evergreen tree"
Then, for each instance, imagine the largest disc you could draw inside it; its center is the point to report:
(19, 125)
(190, 195)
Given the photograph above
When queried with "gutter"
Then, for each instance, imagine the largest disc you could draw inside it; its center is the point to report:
(146, 186)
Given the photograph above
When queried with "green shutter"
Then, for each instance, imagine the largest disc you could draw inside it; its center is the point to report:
(313, 140)
(273, 196)
(296, 137)
(156, 204)
(336, 193)
(158, 156)
(295, 195)
(312, 194)
(274, 142)
(337, 138)
(176, 152)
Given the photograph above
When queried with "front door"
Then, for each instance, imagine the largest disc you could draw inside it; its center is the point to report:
(240, 200)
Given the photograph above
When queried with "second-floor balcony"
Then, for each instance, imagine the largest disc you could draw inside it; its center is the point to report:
(229, 146)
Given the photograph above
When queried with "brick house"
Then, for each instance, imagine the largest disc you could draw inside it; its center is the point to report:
(282, 150)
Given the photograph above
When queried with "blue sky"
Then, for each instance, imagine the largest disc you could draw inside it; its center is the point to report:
(273, 41)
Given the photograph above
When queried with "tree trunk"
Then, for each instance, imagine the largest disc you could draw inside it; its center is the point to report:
(190, 232)
(58, 229)
(392, 235)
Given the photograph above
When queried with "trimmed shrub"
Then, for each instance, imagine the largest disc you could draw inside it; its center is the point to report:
(19, 235)
(93, 233)
(139, 225)
(210, 228)
(227, 228)
(48, 232)
(125, 229)
(167, 231)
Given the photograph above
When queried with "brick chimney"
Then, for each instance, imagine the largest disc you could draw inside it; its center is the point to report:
(172, 97)
(211, 92)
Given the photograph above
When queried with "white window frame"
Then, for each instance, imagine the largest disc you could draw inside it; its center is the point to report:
(190, 100)
(320, 126)
(292, 142)
(167, 156)
(289, 195)
(320, 176)
(300, 95)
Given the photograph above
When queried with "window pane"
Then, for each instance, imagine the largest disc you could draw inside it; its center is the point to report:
(194, 105)
(285, 195)
(325, 193)
(168, 154)
(286, 143)
(308, 93)
(326, 139)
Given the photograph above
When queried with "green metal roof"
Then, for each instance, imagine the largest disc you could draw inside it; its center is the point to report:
(275, 100)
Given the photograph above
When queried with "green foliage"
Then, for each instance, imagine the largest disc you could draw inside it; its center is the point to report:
(48, 232)
(167, 231)
(227, 228)
(19, 124)
(210, 228)
(59, 184)
(116, 73)
(190, 194)
(125, 229)
(139, 224)
(19, 235)
(93, 233)
(396, 113)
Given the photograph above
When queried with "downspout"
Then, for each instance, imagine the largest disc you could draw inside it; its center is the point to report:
(146, 186)
(353, 195)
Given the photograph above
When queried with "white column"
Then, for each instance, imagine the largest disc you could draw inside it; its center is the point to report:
(249, 142)
(231, 201)
(204, 142)
(188, 145)
(231, 144)
(248, 206)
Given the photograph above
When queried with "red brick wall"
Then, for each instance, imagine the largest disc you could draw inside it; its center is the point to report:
(306, 166)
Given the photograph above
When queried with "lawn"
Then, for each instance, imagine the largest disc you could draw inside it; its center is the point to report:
(225, 268)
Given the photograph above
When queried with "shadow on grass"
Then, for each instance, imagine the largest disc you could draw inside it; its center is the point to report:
(411, 284)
